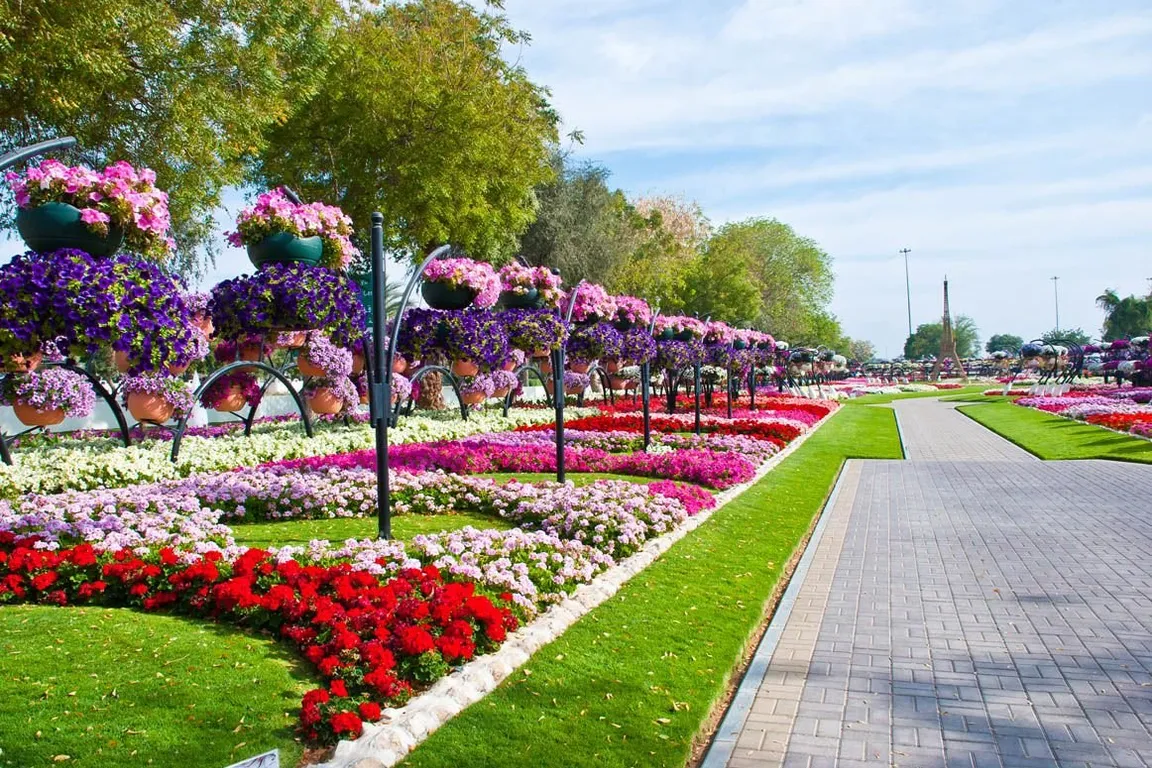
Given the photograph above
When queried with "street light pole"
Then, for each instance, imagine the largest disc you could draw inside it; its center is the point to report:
(1056, 296)
(908, 287)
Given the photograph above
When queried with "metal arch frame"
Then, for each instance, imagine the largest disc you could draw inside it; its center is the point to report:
(527, 368)
(98, 388)
(272, 371)
(597, 370)
(427, 370)
(17, 156)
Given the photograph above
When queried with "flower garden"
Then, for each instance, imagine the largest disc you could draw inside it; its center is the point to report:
(159, 516)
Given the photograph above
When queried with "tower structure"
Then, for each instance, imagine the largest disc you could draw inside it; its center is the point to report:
(947, 344)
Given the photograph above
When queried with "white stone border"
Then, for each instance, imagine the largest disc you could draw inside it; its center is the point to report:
(384, 744)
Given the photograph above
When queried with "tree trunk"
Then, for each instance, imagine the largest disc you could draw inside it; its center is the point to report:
(432, 393)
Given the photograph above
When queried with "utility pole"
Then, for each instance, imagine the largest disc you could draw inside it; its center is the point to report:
(1056, 296)
(908, 287)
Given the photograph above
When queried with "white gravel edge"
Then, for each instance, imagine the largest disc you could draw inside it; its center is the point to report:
(385, 743)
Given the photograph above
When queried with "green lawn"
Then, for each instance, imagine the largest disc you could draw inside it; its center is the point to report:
(105, 687)
(1054, 437)
(633, 682)
(882, 399)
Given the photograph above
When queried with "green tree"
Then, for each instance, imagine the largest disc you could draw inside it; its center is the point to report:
(925, 342)
(1131, 316)
(1074, 335)
(860, 350)
(582, 227)
(422, 118)
(185, 87)
(721, 284)
(1004, 342)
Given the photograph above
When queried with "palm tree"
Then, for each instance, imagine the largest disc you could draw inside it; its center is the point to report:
(1108, 300)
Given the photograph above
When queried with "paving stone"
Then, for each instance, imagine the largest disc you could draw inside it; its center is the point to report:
(970, 606)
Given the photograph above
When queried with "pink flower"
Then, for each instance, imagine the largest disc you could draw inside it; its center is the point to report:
(94, 216)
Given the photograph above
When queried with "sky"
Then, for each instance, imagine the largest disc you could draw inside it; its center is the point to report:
(1003, 142)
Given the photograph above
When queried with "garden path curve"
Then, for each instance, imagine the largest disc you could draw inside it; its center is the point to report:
(969, 606)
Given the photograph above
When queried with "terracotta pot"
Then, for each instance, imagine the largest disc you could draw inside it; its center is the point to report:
(473, 398)
(324, 400)
(612, 365)
(618, 382)
(176, 370)
(233, 401)
(546, 365)
(580, 367)
(502, 392)
(399, 365)
(251, 352)
(153, 408)
(357, 363)
(364, 399)
(307, 367)
(573, 390)
(31, 416)
(23, 363)
(541, 352)
(465, 368)
(509, 366)
(121, 361)
(204, 323)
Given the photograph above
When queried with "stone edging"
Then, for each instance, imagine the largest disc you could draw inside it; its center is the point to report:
(384, 744)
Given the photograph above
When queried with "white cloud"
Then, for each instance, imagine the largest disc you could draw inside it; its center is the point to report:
(819, 22)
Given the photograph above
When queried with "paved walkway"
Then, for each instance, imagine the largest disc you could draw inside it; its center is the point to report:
(970, 606)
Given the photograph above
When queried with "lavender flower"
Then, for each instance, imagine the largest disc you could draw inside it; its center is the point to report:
(50, 389)
(594, 342)
(171, 389)
(324, 354)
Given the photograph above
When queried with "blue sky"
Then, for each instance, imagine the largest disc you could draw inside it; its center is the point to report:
(1003, 142)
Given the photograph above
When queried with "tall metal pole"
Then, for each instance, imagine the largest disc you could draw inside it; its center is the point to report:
(908, 287)
(558, 393)
(1056, 296)
(382, 380)
(646, 386)
(696, 386)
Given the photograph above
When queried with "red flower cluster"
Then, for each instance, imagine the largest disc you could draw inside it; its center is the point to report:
(774, 432)
(371, 638)
(1122, 422)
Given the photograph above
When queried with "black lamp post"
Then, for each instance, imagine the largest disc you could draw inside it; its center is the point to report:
(646, 387)
(558, 392)
(380, 393)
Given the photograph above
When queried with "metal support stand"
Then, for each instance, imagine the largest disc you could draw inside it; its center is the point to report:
(696, 387)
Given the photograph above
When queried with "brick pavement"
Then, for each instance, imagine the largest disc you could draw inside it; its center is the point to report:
(970, 606)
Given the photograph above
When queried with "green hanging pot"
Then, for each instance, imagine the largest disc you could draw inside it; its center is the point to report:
(665, 335)
(683, 336)
(282, 247)
(441, 296)
(52, 226)
(529, 300)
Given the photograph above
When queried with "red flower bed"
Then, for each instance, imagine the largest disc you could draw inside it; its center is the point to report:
(1122, 422)
(780, 434)
(372, 638)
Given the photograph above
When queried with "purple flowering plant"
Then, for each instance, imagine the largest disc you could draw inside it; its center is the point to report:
(593, 342)
(49, 389)
(674, 355)
(480, 384)
(476, 336)
(336, 361)
(505, 380)
(341, 386)
(175, 391)
(476, 276)
(533, 329)
(221, 389)
(274, 212)
(637, 346)
(118, 196)
(291, 296)
(197, 303)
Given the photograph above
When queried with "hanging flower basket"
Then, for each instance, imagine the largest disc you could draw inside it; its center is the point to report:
(287, 339)
(156, 398)
(619, 382)
(324, 400)
(251, 352)
(580, 367)
(54, 226)
(529, 287)
(234, 400)
(283, 247)
(465, 368)
(307, 367)
(612, 365)
(665, 335)
(530, 299)
(473, 398)
(358, 361)
(331, 395)
(399, 364)
(545, 364)
(121, 361)
(31, 416)
(460, 283)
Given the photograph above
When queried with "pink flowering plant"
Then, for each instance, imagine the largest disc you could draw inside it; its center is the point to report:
(476, 276)
(50, 389)
(592, 303)
(518, 279)
(716, 332)
(274, 212)
(174, 391)
(632, 310)
(119, 196)
(681, 324)
(221, 389)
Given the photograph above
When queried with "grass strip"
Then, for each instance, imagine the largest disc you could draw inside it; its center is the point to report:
(634, 682)
(880, 399)
(1055, 438)
(111, 686)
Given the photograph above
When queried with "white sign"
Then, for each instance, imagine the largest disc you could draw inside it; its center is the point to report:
(266, 760)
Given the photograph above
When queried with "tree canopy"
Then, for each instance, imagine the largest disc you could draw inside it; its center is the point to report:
(925, 342)
(1074, 335)
(1004, 342)
(1130, 316)
(185, 88)
(420, 117)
